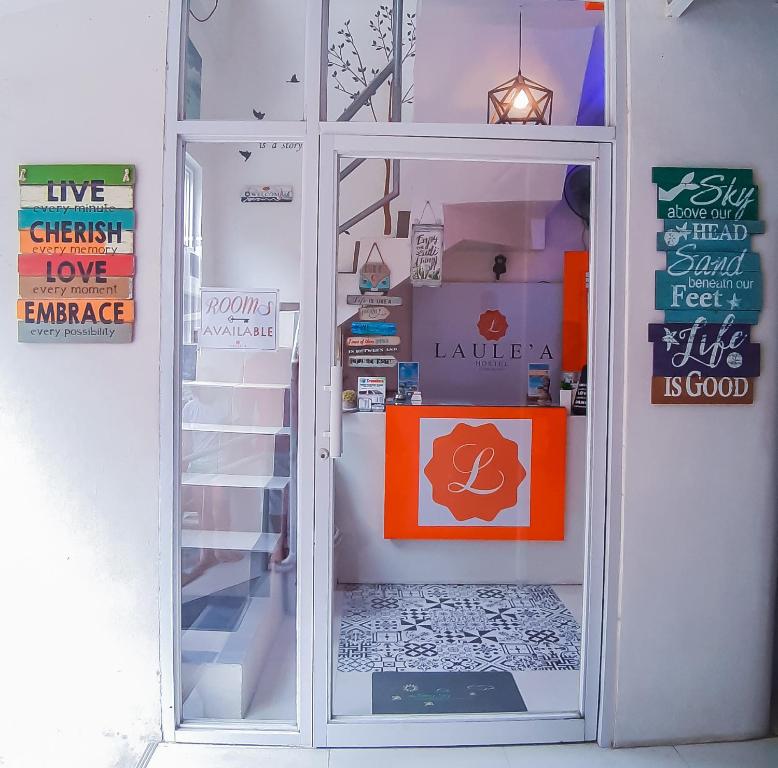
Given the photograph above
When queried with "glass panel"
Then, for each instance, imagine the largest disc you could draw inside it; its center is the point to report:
(239, 365)
(460, 499)
(455, 52)
(244, 60)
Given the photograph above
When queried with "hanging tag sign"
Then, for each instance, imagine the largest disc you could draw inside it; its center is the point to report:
(426, 253)
(374, 275)
(373, 313)
(373, 300)
(373, 341)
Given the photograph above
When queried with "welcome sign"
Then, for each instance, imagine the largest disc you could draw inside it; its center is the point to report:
(76, 263)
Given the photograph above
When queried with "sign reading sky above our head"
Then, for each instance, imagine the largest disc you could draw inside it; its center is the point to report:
(711, 290)
(706, 193)
(76, 253)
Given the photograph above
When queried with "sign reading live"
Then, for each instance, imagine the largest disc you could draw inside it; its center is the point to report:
(76, 253)
(475, 473)
(238, 319)
(711, 291)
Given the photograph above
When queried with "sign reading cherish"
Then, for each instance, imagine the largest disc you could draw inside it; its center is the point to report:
(76, 263)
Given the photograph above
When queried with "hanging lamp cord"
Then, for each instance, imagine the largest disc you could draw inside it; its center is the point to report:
(521, 30)
(208, 17)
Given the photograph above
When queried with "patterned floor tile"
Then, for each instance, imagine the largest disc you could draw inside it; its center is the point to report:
(442, 628)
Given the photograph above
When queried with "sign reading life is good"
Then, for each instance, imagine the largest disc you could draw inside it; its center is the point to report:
(704, 349)
(706, 193)
(76, 253)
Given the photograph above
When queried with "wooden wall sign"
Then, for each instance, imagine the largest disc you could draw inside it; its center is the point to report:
(383, 361)
(717, 350)
(373, 300)
(76, 253)
(373, 329)
(372, 341)
(32, 287)
(716, 293)
(698, 389)
(708, 235)
(706, 193)
(372, 314)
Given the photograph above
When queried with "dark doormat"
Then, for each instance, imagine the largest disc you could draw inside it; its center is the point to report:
(430, 693)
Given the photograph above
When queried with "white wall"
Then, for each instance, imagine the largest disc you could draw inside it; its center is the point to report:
(82, 82)
(251, 245)
(699, 526)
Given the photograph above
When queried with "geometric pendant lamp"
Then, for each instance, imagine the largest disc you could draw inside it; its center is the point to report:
(520, 100)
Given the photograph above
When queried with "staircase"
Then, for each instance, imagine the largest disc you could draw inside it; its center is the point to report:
(238, 505)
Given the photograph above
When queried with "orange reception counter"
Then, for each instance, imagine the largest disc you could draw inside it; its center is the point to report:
(469, 494)
(475, 472)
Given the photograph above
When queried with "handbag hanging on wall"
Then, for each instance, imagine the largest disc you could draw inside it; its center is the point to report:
(427, 252)
(375, 276)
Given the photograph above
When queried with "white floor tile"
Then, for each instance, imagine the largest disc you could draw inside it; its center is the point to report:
(747, 754)
(591, 756)
(474, 757)
(207, 756)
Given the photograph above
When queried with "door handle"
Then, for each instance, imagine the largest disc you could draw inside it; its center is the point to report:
(336, 412)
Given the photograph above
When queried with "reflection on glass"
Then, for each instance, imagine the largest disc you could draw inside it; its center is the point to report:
(239, 438)
(460, 546)
(562, 47)
(244, 59)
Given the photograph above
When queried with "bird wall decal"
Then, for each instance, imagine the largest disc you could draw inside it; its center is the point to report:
(245, 154)
(258, 115)
(293, 79)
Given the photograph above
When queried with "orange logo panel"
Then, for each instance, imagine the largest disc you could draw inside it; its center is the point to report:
(475, 472)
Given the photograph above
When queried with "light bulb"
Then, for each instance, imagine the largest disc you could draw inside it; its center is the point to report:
(521, 101)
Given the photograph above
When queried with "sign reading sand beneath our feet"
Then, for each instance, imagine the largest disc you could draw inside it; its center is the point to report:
(76, 253)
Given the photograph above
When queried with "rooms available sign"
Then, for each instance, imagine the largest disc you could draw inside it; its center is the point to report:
(238, 319)
(475, 340)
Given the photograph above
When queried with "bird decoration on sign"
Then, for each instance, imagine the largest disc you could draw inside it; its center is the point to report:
(258, 115)
(293, 79)
(499, 267)
(245, 154)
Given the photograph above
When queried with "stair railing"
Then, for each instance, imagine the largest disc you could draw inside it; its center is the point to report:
(393, 69)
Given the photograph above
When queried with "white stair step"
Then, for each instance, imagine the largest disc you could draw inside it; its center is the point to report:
(241, 541)
(224, 687)
(234, 385)
(235, 481)
(240, 429)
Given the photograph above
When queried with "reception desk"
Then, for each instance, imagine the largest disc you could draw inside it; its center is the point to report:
(475, 472)
(365, 555)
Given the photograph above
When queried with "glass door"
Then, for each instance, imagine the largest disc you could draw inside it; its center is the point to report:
(462, 337)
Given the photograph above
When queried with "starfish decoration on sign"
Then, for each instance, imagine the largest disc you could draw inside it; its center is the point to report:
(669, 339)
(734, 302)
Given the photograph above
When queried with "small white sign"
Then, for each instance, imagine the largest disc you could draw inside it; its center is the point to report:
(372, 362)
(373, 313)
(268, 193)
(238, 319)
